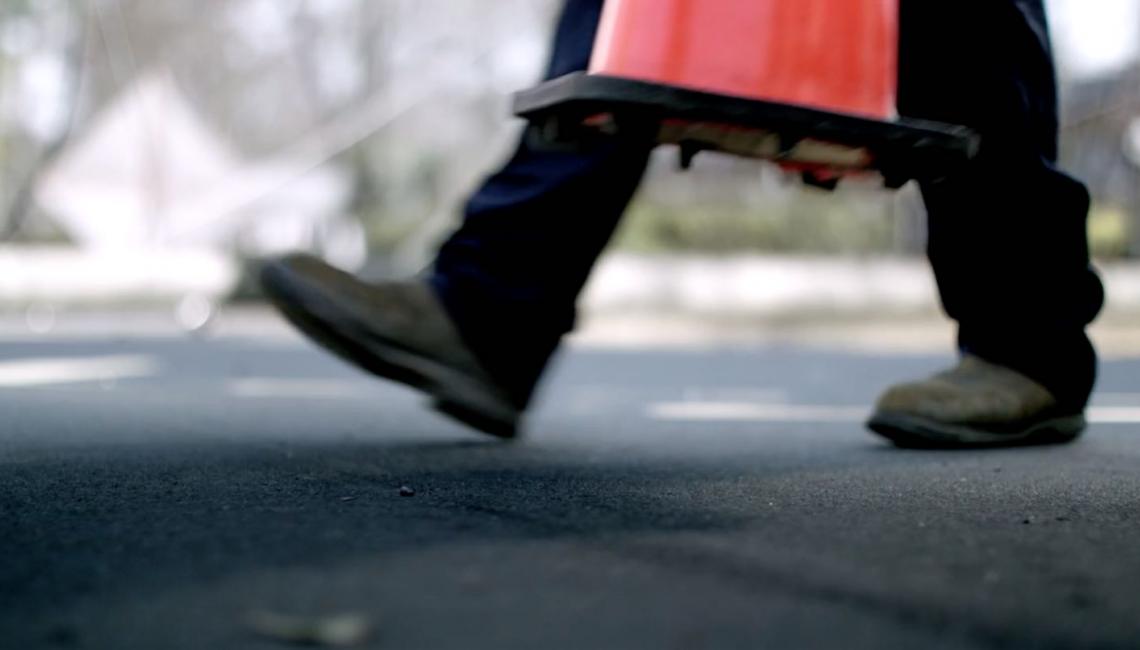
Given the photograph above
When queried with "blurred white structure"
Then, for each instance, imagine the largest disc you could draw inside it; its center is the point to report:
(1094, 38)
(149, 179)
(150, 173)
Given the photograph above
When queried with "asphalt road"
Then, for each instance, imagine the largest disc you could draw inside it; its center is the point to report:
(157, 492)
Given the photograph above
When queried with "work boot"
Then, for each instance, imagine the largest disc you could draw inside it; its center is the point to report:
(397, 330)
(974, 404)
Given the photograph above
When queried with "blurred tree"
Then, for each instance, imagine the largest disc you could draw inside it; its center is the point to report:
(1099, 114)
(410, 98)
(69, 40)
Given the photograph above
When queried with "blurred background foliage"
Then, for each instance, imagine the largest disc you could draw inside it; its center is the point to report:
(407, 100)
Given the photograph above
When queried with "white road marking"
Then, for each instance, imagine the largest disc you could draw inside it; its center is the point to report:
(757, 412)
(1114, 414)
(272, 387)
(69, 370)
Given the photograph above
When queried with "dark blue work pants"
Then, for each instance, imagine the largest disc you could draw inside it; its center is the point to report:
(1007, 237)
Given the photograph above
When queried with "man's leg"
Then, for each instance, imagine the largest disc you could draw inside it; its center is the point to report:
(510, 275)
(476, 334)
(1007, 236)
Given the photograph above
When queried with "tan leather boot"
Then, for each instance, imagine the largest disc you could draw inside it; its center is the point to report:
(396, 330)
(974, 404)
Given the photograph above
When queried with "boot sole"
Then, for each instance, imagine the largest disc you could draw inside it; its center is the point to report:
(453, 393)
(913, 431)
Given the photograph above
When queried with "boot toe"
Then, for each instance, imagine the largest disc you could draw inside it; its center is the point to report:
(975, 403)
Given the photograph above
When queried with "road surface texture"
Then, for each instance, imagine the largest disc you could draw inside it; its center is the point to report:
(166, 492)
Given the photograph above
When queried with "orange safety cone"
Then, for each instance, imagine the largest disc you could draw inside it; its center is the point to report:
(810, 84)
(837, 55)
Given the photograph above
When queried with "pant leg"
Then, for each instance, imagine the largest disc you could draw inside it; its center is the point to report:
(1007, 236)
(511, 274)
